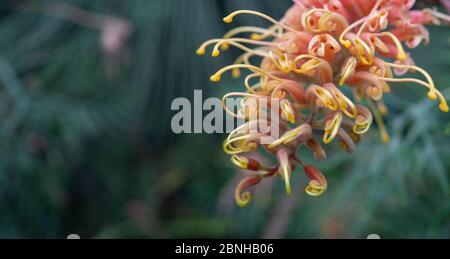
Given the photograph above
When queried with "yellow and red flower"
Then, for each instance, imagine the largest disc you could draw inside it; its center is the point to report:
(305, 60)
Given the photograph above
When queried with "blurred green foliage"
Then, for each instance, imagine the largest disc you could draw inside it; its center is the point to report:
(86, 146)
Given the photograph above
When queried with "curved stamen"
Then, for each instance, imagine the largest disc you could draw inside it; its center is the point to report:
(274, 31)
(312, 64)
(342, 40)
(247, 163)
(234, 42)
(247, 141)
(231, 16)
(363, 121)
(318, 151)
(253, 29)
(384, 110)
(345, 141)
(401, 55)
(366, 53)
(432, 93)
(380, 45)
(245, 59)
(326, 17)
(236, 131)
(303, 131)
(282, 63)
(348, 69)
(323, 95)
(250, 88)
(318, 184)
(242, 196)
(366, 19)
(285, 168)
(216, 51)
(303, 56)
(217, 76)
(443, 106)
(237, 94)
(379, 21)
(331, 128)
(441, 16)
(329, 17)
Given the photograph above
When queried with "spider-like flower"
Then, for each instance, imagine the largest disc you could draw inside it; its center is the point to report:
(328, 63)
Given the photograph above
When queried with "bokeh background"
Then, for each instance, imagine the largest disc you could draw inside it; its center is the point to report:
(86, 145)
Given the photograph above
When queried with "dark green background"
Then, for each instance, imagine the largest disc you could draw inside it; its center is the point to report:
(87, 151)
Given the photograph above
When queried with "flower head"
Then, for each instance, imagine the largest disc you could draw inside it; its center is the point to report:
(305, 61)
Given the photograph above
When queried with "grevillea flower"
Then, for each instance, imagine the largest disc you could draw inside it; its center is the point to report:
(329, 63)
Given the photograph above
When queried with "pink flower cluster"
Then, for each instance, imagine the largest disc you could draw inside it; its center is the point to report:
(328, 63)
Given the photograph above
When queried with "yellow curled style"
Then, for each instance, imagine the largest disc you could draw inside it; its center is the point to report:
(363, 120)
